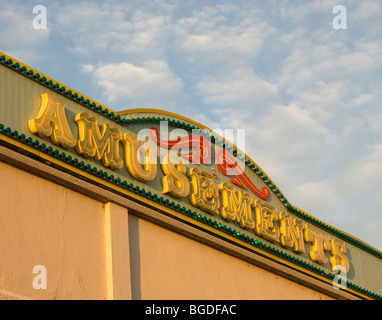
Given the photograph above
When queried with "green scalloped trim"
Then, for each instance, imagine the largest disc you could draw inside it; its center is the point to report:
(171, 204)
(204, 132)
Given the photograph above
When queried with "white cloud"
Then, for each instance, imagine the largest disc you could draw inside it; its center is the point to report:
(18, 37)
(234, 40)
(88, 68)
(208, 36)
(366, 9)
(292, 131)
(357, 187)
(318, 196)
(240, 88)
(113, 29)
(151, 85)
(335, 81)
(290, 146)
(365, 171)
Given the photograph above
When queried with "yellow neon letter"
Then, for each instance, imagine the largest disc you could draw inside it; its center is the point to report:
(291, 232)
(102, 145)
(137, 160)
(204, 192)
(338, 257)
(265, 216)
(51, 121)
(319, 244)
(236, 206)
(175, 181)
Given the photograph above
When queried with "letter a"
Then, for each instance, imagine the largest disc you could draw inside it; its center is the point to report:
(39, 281)
(39, 21)
(51, 122)
(339, 21)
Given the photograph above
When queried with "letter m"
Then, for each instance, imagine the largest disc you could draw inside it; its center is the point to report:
(100, 144)
(236, 206)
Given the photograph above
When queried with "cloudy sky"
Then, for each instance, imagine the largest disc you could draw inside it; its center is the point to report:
(309, 96)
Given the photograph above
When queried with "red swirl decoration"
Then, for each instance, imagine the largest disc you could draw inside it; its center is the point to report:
(199, 146)
(201, 153)
(228, 166)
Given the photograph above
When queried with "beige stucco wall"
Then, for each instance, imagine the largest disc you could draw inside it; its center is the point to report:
(42, 223)
(90, 249)
(175, 267)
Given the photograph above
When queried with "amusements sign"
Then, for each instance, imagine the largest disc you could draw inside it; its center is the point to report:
(182, 168)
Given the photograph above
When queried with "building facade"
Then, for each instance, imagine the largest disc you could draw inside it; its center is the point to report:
(146, 204)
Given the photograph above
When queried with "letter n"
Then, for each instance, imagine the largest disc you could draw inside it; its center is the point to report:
(291, 232)
(50, 121)
(236, 206)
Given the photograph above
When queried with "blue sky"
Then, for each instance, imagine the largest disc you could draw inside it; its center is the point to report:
(307, 95)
